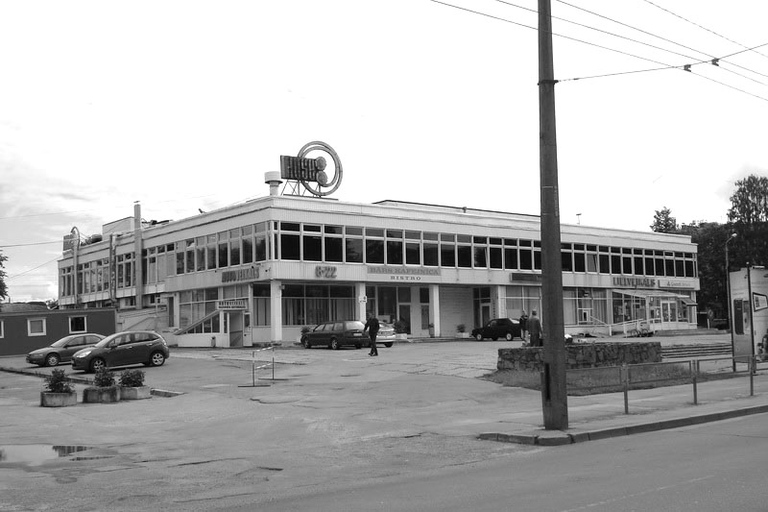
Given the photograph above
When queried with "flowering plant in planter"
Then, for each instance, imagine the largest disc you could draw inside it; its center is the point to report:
(104, 388)
(57, 382)
(132, 385)
(58, 391)
(132, 379)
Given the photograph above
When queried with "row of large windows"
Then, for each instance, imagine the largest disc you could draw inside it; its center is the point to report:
(348, 244)
(291, 241)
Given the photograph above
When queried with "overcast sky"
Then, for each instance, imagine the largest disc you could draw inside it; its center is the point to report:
(186, 104)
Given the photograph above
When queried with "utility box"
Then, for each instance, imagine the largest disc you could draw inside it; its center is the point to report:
(748, 309)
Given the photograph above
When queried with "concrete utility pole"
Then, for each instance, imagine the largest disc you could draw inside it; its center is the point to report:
(554, 395)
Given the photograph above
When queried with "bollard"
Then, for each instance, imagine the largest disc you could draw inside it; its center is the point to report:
(625, 382)
(693, 366)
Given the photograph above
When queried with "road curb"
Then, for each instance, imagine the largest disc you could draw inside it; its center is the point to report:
(560, 438)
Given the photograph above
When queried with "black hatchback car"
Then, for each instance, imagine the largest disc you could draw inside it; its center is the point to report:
(335, 335)
(498, 328)
(123, 349)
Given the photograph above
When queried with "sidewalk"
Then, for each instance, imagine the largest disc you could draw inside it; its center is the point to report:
(413, 388)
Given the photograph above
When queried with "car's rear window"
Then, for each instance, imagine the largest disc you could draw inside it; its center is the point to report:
(353, 325)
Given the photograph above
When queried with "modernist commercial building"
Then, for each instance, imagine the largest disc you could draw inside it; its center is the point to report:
(261, 270)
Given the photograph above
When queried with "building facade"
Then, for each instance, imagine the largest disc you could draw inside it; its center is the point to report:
(261, 270)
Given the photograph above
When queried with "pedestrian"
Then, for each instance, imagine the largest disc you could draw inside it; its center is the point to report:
(372, 326)
(523, 325)
(534, 328)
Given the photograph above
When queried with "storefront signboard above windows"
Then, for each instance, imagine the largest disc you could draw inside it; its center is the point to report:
(405, 273)
(241, 274)
(325, 272)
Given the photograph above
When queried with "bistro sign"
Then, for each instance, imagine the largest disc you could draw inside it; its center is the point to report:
(405, 273)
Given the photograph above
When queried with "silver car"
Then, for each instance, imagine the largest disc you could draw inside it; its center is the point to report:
(62, 350)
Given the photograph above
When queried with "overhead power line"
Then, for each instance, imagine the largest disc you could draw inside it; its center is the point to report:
(685, 67)
(703, 27)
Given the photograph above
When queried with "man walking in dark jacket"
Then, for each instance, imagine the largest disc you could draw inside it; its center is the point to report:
(372, 326)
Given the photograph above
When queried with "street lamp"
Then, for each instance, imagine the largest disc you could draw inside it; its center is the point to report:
(728, 294)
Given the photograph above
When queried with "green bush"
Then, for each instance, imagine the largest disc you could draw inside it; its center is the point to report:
(132, 378)
(57, 382)
(104, 378)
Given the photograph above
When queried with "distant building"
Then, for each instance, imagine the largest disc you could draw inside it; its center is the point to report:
(261, 270)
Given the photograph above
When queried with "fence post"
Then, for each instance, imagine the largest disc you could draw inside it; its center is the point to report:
(625, 381)
(693, 366)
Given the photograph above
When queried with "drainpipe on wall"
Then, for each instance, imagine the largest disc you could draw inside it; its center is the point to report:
(138, 259)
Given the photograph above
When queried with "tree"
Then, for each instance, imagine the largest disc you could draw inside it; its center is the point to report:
(749, 204)
(3, 286)
(664, 222)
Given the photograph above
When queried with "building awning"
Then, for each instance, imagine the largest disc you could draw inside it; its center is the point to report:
(688, 301)
(653, 293)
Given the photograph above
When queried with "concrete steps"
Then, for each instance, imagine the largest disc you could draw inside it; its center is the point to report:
(694, 351)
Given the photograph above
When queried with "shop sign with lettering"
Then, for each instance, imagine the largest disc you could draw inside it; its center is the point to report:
(405, 273)
(634, 282)
(242, 274)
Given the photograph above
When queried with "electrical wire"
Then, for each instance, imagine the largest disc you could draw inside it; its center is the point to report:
(669, 41)
(701, 26)
(8, 278)
(29, 244)
(685, 67)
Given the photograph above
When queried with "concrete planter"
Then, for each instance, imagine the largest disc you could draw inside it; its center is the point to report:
(135, 393)
(462, 335)
(48, 399)
(95, 395)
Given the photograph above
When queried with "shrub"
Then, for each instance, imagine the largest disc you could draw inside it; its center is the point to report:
(304, 330)
(461, 328)
(57, 382)
(104, 378)
(401, 327)
(132, 379)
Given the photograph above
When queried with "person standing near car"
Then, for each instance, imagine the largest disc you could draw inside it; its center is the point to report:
(523, 325)
(372, 326)
(534, 328)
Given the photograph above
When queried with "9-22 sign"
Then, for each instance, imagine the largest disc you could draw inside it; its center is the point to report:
(326, 272)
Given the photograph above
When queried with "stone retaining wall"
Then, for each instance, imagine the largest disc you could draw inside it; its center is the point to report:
(582, 355)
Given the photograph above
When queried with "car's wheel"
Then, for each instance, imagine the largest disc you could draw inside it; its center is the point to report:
(51, 359)
(358, 346)
(389, 344)
(305, 342)
(157, 359)
(509, 336)
(98, 364)
(335, 345)
(479, 337)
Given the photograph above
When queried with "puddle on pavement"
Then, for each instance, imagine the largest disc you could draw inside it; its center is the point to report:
(36, 454)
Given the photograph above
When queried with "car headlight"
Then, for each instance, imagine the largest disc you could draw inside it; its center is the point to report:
(84, 353)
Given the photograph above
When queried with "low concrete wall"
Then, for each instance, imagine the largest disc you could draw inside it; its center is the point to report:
(582, 355)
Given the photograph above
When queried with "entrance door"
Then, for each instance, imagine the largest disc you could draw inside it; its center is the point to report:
(235, 328)
(404, 314)
(668, 314)
(485, 314)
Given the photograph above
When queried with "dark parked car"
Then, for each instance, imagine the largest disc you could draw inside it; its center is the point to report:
(122, 349)
(335, 335)
(498, 328)
(62, 350)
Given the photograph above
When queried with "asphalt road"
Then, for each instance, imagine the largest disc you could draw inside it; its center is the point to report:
(713, 467)
(333, 425)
